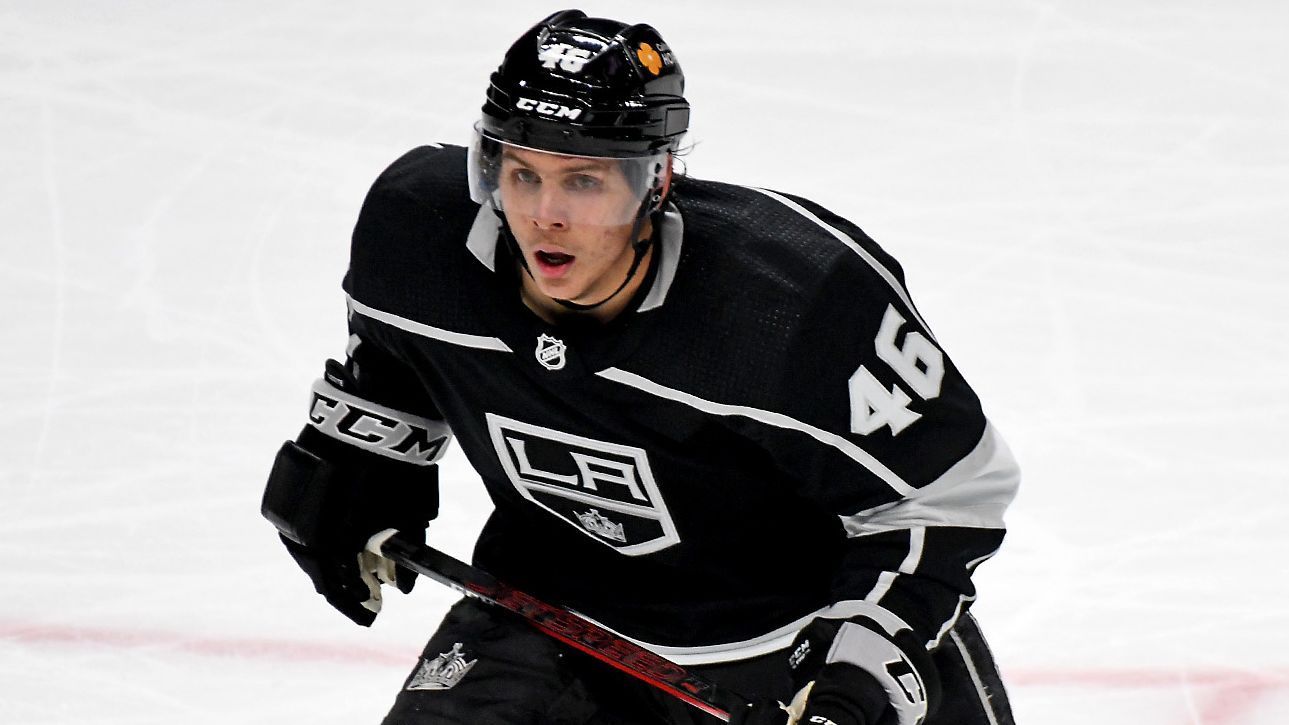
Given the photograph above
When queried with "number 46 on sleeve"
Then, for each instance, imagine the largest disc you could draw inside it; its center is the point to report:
(917, 362)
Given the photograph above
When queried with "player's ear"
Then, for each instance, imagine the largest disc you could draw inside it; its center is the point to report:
(666, 179)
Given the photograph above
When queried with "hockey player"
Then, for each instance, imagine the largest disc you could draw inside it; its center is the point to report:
(709, 418)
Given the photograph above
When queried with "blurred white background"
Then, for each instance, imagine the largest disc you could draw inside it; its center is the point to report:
(1090, 201)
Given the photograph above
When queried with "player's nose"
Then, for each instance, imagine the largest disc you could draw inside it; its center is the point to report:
(550, 210)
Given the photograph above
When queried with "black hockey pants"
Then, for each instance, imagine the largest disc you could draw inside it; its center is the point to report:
(486, 667)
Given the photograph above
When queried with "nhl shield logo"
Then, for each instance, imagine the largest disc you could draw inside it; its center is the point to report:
(550, 352)
(442, 672)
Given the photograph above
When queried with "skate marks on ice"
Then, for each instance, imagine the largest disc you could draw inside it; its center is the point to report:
(1088, 203)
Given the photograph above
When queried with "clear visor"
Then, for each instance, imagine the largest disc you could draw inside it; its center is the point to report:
(550, 188)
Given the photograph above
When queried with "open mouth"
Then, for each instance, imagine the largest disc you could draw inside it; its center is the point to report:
(552, 260)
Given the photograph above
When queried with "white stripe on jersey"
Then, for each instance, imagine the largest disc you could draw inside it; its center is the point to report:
(953, 620)
(981, 691)
(851, 608)
(883, 585)
(962, 602)
(854, 247)
(974, 492)
(778, 420)
(774, 641)
(456, 338)
(917, 540)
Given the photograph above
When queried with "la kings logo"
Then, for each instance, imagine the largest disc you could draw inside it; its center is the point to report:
(604, 490)
(442, 672)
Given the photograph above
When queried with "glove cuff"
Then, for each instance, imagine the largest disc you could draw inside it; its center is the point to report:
(872, 666)
(377, 429)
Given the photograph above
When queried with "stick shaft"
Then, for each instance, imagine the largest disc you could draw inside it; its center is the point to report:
(565, 626)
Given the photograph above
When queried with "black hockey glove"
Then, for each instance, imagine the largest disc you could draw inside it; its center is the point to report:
(841, 694)
(359, 469)
(760, 713)
(852, 672)
(351, 583)
(325, 513)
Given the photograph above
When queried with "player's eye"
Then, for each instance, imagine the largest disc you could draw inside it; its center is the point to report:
(526, 176)
(582, 182)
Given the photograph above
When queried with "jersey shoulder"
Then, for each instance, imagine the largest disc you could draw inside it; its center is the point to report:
(780, 246)
(409, 241)
(826, 332)
(433, 174)
(771, 269)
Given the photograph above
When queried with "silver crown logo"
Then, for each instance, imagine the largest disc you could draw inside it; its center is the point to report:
(596, 523)
(442, 672)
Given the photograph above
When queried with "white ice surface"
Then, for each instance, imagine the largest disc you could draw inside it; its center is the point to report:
(1090, 201)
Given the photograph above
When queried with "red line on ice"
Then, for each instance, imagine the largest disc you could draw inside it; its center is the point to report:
(1232, 703)
(246, 647)
(1143, 677)
(1236, 691)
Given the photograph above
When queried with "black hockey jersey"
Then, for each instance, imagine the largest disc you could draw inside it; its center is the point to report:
(769, 434)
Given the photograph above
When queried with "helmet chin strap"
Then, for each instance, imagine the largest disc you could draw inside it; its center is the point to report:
(640, 247)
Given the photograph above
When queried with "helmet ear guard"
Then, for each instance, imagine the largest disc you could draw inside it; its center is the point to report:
(655, 179)
(483, 167)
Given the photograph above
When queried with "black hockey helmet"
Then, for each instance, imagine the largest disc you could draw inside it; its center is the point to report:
(578, 86)
(588, 86)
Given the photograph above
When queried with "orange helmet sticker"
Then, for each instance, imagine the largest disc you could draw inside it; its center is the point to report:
(649, 58)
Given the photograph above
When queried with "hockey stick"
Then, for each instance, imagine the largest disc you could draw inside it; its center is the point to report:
(563, 625)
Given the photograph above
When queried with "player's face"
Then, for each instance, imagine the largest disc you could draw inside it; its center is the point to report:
(572, 217)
